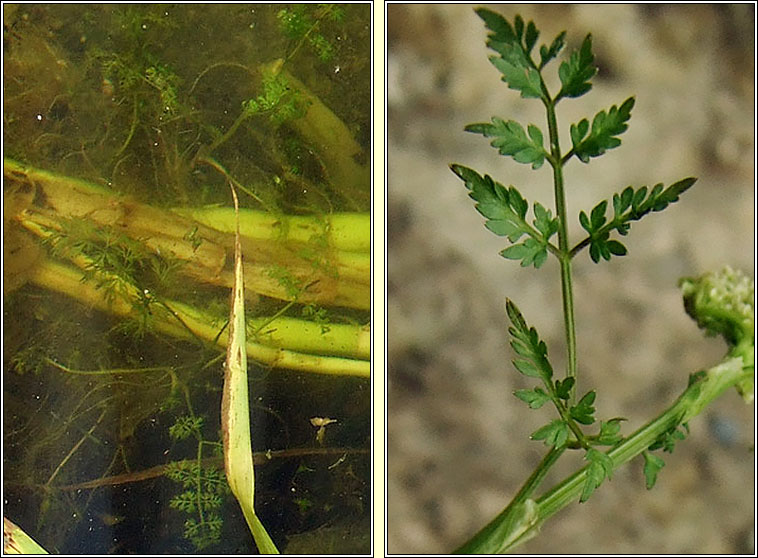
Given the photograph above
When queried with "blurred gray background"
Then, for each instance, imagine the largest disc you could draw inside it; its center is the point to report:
(458, 441)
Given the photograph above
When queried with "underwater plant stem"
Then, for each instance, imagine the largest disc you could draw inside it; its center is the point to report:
(563, 242)
(506, 531)
(244, 115)
(76, 447)
(68, 281)
(259, 458)
(344, 274)
(327, 11)
(333, 141)
(211, 162)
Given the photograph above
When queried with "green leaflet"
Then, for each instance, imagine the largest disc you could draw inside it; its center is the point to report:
(235, 407)
(505, 210)
(576, 72)
(583, 411)
(609, 432)
(600, 468)
(653, 464)
(535, 398)
(514, 46)
(547, 54)
(554, 433)
(563, 388)
(526, 343)
(630, 205)
(602, 136)
(510, 139)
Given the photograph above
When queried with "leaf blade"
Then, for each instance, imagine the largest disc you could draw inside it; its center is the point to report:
(510, 139)
(576, 72)
(606, 127)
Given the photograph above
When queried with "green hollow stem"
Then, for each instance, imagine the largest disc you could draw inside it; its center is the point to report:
(522, 519)
(563, 241)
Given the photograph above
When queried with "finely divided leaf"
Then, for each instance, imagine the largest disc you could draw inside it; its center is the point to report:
(602, 136)
(576, 72)
(510, 139)
(555, 433)
(544, 221)
(505, 210)
(600, 468)
(531, 251)
(527, 343)
(501, 29)
(563, 388)
(628, 206)
(653, 464)
(503, 207)
(523, 79)
(668, 439)
(513, 46)
(531, 36)
(609, 432)
(535, 398)
(547, 54)
(584, 411)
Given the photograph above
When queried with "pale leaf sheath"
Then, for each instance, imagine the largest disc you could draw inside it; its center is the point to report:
(235, 409)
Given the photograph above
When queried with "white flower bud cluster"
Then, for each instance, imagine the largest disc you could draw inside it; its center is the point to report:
(722, 302)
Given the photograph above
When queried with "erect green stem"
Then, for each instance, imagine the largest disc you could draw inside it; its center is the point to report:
(563, 242)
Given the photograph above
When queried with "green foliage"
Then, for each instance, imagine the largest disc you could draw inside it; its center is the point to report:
(526, 343)
(535, 398)
(600, 468)
(554, 433)
(302, 23)
(563, 388)
(667, 440)
(317, 314)
(576, 72)
(204, 487)
(583, 411)
(653, 464)
(548, 53)
(115, 262)
(186, 426)
(630, 205)
(605, 128)
(205, 532)
(514, 47)
(166, 82)
(291, 284)
(505, 210)
(609, 432)
(278, 100)
(721, 303)
(510, 139)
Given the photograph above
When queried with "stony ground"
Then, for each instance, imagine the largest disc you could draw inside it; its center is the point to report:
(458, 445)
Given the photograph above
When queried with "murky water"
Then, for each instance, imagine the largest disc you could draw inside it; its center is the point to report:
(124, 126)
